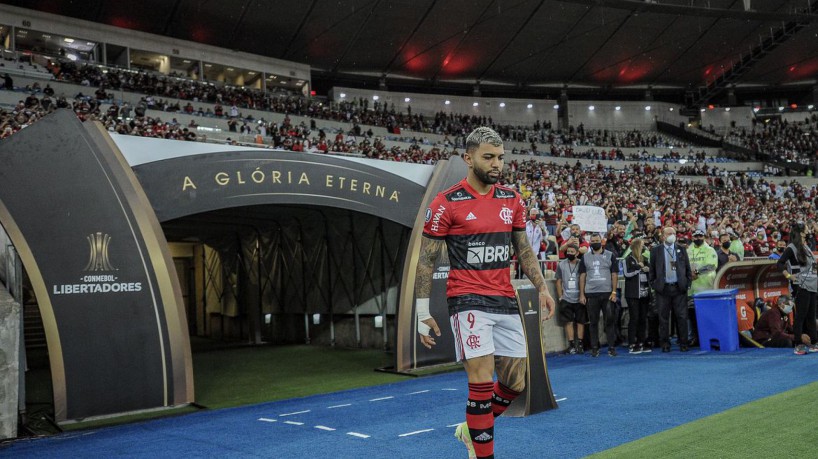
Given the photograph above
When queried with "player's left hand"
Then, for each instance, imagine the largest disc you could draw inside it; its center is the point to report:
(546, 302)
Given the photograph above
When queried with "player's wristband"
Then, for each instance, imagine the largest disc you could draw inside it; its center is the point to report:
(422, 312)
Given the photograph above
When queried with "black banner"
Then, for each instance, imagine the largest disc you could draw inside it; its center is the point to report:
(100, 267)
(537, 395)
(443, 350)
(194, 184)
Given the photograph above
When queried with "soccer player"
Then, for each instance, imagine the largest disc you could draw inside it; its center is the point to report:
(477, 222)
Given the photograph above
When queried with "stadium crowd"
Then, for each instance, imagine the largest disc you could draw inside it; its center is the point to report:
(744, 207)
(358, 111)
(781, 139)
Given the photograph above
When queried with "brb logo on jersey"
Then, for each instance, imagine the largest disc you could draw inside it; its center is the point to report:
(506, 215)
(487, 254)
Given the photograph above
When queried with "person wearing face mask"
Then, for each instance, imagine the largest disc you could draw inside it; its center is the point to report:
(571, 313)
(573, 237)
(598, 276)
(725, 255)
(774, 329)
(637, 295)
(780, 246)
(704, 261)
(670, 276)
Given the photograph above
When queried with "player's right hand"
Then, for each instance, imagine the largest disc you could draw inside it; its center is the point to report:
(428, 339)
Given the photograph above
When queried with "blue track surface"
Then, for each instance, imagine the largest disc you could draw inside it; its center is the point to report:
(607, 402)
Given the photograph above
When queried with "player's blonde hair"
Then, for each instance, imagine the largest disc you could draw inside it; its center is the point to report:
(480, 136)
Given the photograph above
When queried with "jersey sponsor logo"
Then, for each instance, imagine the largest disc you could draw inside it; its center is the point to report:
(459, 195)
(470, 217)
(428, 214)
(506, 215)
(473, 341)
(503, 194)
(436, 218)
(487, 254)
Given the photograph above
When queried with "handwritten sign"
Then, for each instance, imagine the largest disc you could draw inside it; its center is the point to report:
(591, 218)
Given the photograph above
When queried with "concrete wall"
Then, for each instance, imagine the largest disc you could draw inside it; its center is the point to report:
(631, 115)
(515, 111)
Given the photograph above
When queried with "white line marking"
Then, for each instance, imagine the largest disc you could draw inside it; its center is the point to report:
(454, 425)
(325, 428)
(267, 420)
(419, 392)
(297, 412)
(338, 406)
(415, 432)
(294, 423)
(382, 398)
(448, 389)
(359, 435)
(561, 399)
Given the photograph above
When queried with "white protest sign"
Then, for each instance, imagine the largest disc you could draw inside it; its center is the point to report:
(590, 218)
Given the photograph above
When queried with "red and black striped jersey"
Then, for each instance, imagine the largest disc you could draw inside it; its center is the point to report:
(477, 230)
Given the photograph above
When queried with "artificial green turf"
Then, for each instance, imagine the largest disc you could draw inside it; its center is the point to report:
(782, 425)
(227, 376)
(249, 375)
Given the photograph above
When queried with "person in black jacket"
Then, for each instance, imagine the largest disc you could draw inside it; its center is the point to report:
(670, 276)
(637, 295)
(799, 267)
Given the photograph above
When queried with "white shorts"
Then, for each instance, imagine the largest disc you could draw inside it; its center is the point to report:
(478, 333)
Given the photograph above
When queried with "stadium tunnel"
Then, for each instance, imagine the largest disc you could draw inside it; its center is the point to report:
(290, 274)
(271, 247)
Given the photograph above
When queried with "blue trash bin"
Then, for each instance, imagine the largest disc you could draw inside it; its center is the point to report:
(717, 320)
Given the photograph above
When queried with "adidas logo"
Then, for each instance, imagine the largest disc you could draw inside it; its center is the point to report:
(470, 217)
(483, 437)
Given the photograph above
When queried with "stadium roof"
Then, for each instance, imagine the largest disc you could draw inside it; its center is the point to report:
(601, 43)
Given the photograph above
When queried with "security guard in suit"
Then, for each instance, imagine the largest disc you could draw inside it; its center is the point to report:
(670, 276)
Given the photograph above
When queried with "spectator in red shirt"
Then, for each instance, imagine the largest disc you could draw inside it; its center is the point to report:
(575, 237)
(761, 246)
(774, 328)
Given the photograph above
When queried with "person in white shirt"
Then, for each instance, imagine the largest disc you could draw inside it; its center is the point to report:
(534, 230)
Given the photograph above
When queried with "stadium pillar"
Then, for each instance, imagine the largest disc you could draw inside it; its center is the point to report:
(12, 44)
(104, 52)
(128, 57)
(562, 111)
(731, 97)
(815, 94)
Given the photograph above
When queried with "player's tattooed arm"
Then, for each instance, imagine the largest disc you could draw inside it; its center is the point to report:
(528, 260)
(430, 251)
